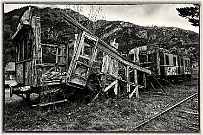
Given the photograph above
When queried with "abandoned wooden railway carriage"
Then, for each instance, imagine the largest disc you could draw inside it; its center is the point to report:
(166, 66)
(67, 54)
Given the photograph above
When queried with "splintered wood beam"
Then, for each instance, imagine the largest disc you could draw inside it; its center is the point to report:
(74, 22)
(116, 88)
(104, 46)
(111, 85)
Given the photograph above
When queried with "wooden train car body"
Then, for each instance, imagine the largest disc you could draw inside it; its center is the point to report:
(71, 59)
(161, 62)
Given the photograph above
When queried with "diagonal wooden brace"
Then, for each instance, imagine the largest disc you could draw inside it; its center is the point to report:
(111, 85)
(134, 91)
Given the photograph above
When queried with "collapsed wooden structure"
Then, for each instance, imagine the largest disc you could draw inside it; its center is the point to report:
(71, 63)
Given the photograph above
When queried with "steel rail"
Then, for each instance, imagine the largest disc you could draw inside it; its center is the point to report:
(159, 114)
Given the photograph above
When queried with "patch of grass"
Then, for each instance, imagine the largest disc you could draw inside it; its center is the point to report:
(110, 115)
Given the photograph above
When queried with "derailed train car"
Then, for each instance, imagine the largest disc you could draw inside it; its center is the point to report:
(68, 57)
(166, 66)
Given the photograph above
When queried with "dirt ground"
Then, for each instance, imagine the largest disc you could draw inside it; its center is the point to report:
(109, 115)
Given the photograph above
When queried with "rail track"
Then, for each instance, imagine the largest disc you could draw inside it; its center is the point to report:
(184, 113)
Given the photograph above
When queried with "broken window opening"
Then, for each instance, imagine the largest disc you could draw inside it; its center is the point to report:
(167, 59)
(174, 61)
(48, 55)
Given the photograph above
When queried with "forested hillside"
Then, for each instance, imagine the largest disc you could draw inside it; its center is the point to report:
(128, 35)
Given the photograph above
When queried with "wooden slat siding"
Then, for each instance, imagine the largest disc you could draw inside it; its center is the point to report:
(123, 60)
(69, 65)
(109, 64)
(33, 53)
(37, 50)
(105, 47)
(39, 39)
(19, 73)
(28, 73)
(75, 55)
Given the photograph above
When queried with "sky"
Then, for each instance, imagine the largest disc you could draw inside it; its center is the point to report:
(143, 15)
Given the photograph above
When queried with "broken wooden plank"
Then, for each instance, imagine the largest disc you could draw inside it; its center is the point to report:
(110, 86)
(120, 58)
(50, 103)
(105, 47)
(116, 88)
(134, 91)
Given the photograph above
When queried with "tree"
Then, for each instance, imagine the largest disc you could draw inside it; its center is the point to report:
(95, 13)
(190, 13)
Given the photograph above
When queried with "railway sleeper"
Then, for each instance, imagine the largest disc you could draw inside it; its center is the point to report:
(190, 112)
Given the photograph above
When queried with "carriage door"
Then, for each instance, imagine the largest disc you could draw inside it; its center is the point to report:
(82, 59)
(61, 58)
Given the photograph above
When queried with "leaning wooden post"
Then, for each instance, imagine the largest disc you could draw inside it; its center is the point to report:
(114, 66)
(136, 60)
(136, 84)
(144, 80)
(128, 79)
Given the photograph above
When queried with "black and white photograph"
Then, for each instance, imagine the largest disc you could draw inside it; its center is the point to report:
(98, 67)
